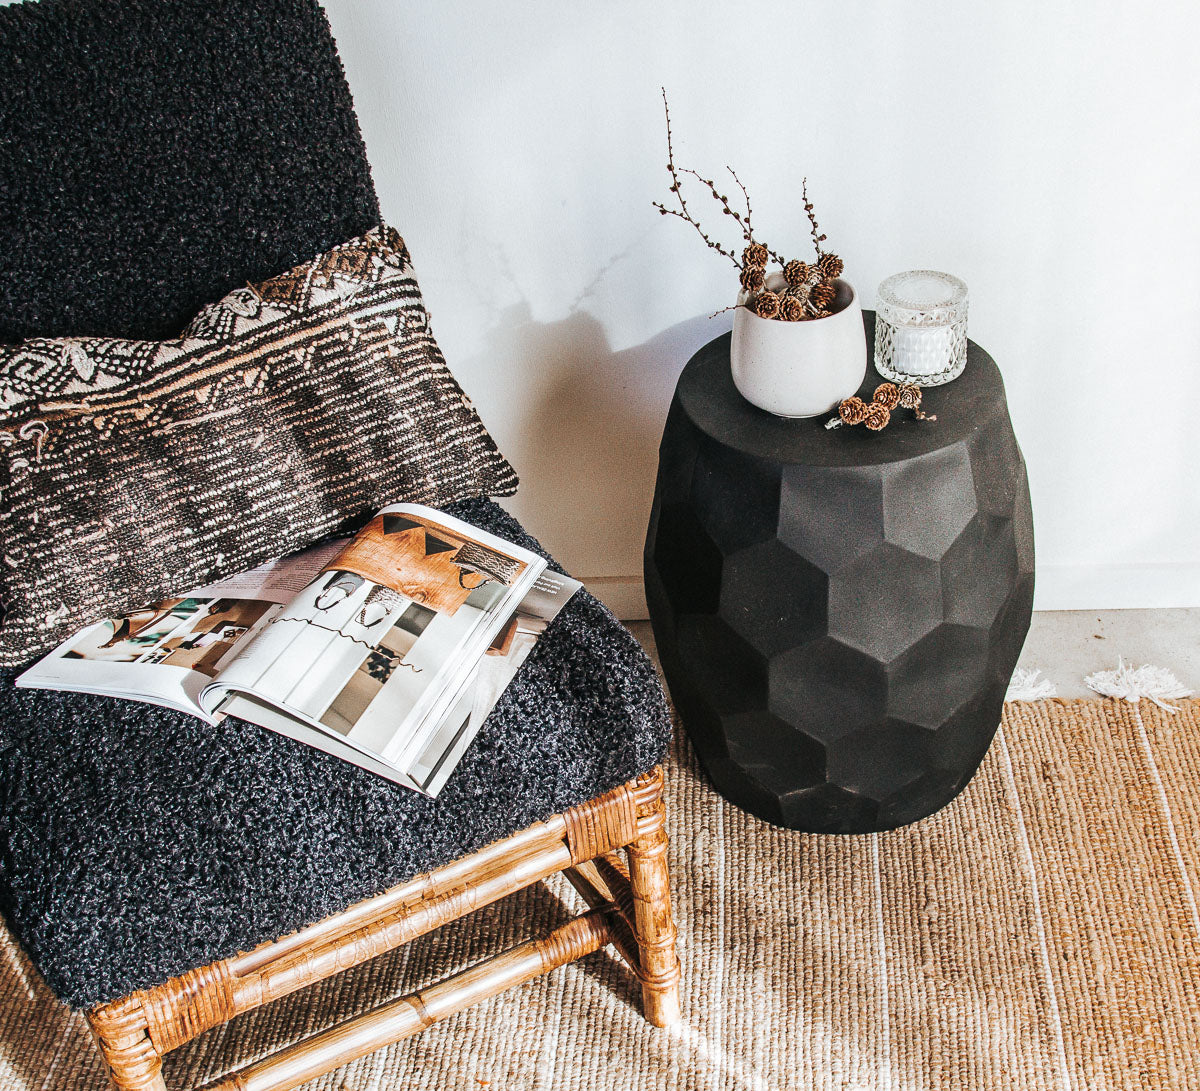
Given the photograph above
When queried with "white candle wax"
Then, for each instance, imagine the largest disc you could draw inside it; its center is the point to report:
(921, 350)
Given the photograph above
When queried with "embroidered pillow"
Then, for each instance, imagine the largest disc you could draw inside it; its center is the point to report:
(134, 470)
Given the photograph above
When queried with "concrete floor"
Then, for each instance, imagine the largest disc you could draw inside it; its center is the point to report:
(1067, 645)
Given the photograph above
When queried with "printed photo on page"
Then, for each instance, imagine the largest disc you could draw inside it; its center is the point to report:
(168, 652)
(366, 649)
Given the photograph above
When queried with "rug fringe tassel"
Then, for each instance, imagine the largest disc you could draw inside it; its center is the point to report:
(1028, 685)
(1131, 684)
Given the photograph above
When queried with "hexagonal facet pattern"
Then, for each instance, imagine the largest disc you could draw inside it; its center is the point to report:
(838, 614)
(831, 515)
(928, 523)
(885, 602)
(827, 688)
(773, 597)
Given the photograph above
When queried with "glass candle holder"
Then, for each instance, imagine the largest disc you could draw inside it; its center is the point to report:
(921, 328)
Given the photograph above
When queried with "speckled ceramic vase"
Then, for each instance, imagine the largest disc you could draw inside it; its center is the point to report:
(799, 369)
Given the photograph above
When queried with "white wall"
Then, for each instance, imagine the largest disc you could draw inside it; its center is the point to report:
(1046, 153)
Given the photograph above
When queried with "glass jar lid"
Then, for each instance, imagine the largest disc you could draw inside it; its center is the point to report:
(922, 297)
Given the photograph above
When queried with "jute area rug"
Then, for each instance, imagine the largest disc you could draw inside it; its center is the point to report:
(1040, 932)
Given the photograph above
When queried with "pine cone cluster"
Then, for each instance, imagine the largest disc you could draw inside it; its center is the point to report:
(791, 309)
(753, 278)
(796, 273)
(877, 416)
(755, 256)
(877, 413)
(910, 398)
(887, 395)
(808, 291)
(853, 410)
(822, 295)
(800, 293)
(766, 305)
(830, 266)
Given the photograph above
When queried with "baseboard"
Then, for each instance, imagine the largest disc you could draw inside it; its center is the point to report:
(1059, 587)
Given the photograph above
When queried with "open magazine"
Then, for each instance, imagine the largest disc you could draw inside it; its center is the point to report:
(388, 650)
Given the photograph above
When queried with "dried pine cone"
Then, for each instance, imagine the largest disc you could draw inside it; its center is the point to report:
(910, 396)
(753, 278)
(790, 308)
(755, 256)
(766, 305)
(822, 295)
(796, 273)
(877, 416)
(831, 266)
(853, 410)
(887, 395)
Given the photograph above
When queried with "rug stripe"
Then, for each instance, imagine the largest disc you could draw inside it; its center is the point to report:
(1185, 877)
(1111, 894)
(1060, 1052)
(885, 1028)
(970, 1005)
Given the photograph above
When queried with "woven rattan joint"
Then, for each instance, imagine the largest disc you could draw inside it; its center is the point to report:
(629, 907)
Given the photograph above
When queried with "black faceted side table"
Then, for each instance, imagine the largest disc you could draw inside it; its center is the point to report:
(839, 612)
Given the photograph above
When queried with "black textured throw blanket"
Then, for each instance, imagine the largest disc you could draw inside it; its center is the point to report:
(137, 843)
(155, 154)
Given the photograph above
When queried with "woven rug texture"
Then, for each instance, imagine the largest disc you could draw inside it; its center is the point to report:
(1040, 932)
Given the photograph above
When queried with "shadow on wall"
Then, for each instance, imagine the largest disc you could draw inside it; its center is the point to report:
(585, 437)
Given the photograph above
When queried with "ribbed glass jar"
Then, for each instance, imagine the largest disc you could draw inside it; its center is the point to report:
(921, 327)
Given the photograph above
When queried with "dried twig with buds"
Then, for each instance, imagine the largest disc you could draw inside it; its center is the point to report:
(817, 237)
(807, 291)
(677, 189)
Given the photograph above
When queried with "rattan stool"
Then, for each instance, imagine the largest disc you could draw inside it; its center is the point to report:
(630, 908)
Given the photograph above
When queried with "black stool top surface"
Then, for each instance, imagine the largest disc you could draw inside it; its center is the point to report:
(707, 396)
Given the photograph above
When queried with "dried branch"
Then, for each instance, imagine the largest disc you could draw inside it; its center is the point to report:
(749, 229)
(818, 238)
(756, 254)
(677, 188)
(723, 200)
(749, 232)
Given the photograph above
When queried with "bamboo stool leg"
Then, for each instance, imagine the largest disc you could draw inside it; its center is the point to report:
(630, 908)
(133, 1062)
(598, 894)
(409, 1015)
(653, 925)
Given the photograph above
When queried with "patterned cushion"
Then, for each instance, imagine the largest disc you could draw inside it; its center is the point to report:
(133, 470)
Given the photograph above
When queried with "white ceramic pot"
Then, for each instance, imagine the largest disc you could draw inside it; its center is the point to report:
(800, 369)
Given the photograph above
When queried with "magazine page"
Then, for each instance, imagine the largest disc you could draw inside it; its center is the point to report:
(255, 711)
(377, 648)
(168, 652)
(436, 757)
(449, 738)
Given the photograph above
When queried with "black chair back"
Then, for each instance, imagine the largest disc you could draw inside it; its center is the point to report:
(155, 154)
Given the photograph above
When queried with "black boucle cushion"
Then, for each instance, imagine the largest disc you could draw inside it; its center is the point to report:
(155, 154)
(138, 843)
